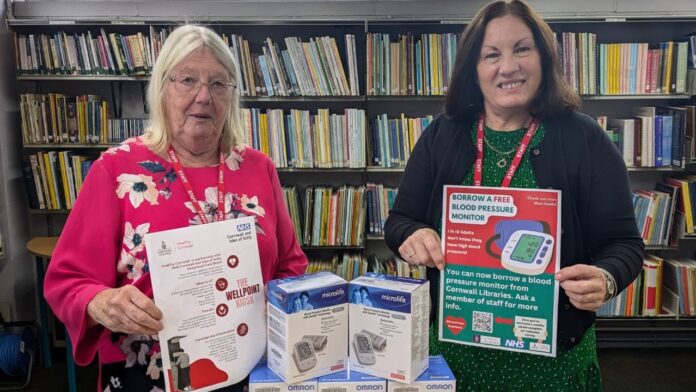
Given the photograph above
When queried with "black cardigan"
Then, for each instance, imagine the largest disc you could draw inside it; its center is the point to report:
(576, 157)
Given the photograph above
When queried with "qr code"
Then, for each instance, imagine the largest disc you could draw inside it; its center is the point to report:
(483, 322)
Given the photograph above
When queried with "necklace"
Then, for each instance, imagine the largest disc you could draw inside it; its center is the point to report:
(503, 159)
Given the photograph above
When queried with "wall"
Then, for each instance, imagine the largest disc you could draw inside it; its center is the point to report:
(16, 269)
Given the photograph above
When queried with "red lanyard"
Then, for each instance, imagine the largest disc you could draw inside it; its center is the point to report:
(189, 190)
(478, 165)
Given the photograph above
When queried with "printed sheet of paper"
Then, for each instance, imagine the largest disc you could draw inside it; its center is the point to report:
(502, 249)
(207, 281)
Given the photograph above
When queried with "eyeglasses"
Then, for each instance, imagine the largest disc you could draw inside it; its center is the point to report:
(493, 56)
(190, 85)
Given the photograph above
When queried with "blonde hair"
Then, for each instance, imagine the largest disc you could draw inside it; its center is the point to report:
(183, 41)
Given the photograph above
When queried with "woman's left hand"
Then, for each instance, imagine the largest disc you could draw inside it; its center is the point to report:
(584, 284)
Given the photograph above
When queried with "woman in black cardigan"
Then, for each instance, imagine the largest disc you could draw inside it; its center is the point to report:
(507, 68)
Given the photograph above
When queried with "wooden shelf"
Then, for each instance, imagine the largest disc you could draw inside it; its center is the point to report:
(333, 247)
(320, 98)
(107, 78)
(371, 237)
(42, 211)
(660, 247)
(658, 331)
(378, 169)
(320, 170)
(633, 97)
(377, 98)
(69, 145)
(655, 169)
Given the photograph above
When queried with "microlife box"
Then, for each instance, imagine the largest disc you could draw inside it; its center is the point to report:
(262, 379)
(307, 326)
(389, 326)
(351, 381)
(438, 377)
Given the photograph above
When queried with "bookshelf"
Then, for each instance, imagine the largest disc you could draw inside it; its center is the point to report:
(336, 19)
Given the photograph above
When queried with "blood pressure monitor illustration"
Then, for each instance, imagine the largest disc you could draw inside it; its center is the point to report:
(362, 344)
(526, 246)
(378, 343)
(304, 356)
(318, 341)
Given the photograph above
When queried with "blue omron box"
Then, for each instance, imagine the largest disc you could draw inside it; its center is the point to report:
(262, 379)
(351, 381)
(437, 377)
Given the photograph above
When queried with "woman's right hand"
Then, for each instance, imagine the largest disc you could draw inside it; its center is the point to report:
(126, 309)
(423, 248)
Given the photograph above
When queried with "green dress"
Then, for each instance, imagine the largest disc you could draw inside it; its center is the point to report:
(481, 369)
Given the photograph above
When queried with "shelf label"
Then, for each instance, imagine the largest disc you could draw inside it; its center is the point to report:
(615, 19)
(61, 22)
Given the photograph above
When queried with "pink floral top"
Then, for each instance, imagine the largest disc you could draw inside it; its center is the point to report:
(130, 192)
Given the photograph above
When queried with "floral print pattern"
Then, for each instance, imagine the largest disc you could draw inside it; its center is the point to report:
(136, 347)
(234, 160)
(155, 367)
(131, 265)
(133, 238)
(121, 147)
(252, 205)
(139, 188)
(235, 207)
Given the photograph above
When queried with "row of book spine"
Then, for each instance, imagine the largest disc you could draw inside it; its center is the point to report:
(350, 265)
(313, 68)
(380, 200)
(393, 139)
(631, 68)
(54, 178)
(685, 208)
(655, 214)
(654, 136)
(62, 53)
(331, 216)
(664, 287)
(304, 140)
(323, 140)
(412, 65)
(303, 68)
(394, 265)
(56, 118)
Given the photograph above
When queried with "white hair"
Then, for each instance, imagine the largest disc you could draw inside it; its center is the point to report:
(183, 41)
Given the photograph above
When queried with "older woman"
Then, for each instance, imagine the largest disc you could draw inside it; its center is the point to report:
(98, 282)
(507, 78)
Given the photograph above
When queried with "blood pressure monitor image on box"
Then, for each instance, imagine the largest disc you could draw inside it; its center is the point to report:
(526, 246)
(362, 344)
(304, 355)
(318, 341)
(378, 343)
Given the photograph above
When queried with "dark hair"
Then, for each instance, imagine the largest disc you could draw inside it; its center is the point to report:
(364, 289)
(464, 97)
(304, 294)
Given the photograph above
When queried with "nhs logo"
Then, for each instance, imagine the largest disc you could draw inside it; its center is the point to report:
(244, 226)
(514, 343)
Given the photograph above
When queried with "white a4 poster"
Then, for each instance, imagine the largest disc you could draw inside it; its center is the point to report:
(207, 281)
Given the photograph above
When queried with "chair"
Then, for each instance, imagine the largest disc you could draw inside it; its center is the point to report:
(42, 249)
